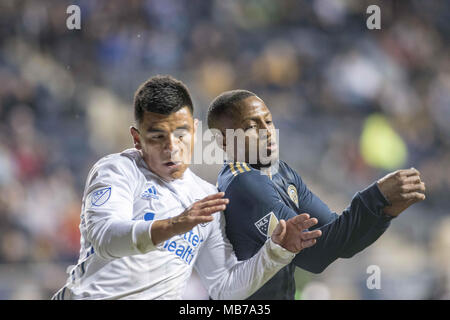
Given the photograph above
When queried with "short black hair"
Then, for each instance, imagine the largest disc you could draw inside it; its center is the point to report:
(161, 94)
(224, 103)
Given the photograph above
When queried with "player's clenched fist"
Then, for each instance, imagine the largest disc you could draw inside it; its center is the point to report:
(292, 236)
(401, 188)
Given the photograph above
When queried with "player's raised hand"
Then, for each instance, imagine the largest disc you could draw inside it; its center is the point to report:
(292, 236)
(199, 212)
(401, 188)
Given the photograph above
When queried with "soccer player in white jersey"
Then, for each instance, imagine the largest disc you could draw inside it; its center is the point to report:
(147, 220)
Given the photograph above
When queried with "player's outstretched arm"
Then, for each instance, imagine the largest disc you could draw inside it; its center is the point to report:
(342, 237)
(400, 189)
(358, 226)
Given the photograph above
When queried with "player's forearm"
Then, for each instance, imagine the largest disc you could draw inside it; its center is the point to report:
(373, 203)
(365, 210)
(136, 237)
(246, 277)
(371, 236)
(355, 229)
(162, 230)
(114, 238)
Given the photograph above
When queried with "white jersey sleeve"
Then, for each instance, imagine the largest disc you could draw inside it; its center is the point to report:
(230, 279)
(108, 212)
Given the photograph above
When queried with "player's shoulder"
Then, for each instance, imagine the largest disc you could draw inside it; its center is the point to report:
(238, 173)
(117, 170)
(284, 168)
(125, 162)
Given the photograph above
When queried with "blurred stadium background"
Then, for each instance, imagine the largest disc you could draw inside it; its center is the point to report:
(351, 105)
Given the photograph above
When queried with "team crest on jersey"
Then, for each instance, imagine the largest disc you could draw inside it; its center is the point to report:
(267, 224)
(150, 193)
(99, 197)
(292, 192)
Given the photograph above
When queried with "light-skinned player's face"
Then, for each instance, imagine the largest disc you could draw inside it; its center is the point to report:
(252, 115)
(166, 142)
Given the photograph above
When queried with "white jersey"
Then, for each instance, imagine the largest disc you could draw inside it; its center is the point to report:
(118, 260)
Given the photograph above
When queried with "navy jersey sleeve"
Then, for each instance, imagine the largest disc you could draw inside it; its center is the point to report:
(254, 201)
(361, 223)
(310, 203)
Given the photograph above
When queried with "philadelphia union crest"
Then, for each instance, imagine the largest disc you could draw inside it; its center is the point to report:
(292, 192)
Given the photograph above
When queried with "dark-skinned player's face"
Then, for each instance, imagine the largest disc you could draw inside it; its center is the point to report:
(166, 142)
(252, 115)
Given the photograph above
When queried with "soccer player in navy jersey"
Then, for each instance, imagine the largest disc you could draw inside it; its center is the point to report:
(262, 193)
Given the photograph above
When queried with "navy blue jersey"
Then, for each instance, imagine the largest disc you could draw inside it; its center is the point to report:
(258, 202)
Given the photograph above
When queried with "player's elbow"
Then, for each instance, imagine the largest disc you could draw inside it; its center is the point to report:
(101, 250)
(351, 252)
(98, 237)
(315, 268)
(348, 255)
(318, 269)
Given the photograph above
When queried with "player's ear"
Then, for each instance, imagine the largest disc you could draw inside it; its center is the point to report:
(136, 138)
(219, 138)
(196, 121)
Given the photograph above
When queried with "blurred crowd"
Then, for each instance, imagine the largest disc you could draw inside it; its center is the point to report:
(355, 103)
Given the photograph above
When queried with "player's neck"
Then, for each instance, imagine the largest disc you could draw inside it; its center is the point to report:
(267, 170)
